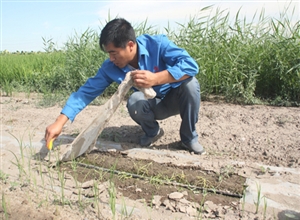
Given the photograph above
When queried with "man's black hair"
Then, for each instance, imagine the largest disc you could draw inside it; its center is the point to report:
(117, 31)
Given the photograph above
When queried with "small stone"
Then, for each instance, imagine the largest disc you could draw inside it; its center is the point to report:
(156, 201)
(195, 205)
(124, 152)
(206, 216)
(184, 201)
(181, 208)
(211, 205)
(56, 212)
(166, 202)
(207, 210)
(234, 203)
(226, 207)
(185, 193)
(173, 203)
(168, 205)
(212, 215)
(191, 211)
(141, 200)
(87, 184)
(102, 187)
(88, 193)
(175, 195)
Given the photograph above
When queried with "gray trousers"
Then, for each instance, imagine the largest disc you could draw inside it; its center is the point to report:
(183, 100)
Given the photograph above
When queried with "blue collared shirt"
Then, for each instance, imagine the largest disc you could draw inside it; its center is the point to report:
(155, 53)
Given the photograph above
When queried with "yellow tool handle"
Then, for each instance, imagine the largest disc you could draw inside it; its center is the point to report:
(50, 145)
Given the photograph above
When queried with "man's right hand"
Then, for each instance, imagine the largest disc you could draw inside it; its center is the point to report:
(54, 130)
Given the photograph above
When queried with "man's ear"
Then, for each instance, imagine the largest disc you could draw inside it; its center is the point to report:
(131, 44)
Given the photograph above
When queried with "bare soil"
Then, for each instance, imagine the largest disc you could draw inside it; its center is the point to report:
(238, 140)
(152, 178)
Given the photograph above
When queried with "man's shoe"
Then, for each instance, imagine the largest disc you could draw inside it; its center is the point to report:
(146, 141)
(194, 147)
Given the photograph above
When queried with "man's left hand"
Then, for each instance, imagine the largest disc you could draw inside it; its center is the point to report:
(143, 78)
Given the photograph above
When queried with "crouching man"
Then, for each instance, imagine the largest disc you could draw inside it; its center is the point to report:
(154, 61)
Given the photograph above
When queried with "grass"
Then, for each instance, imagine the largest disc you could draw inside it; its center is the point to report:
(4, 206)
(243, 60)
(265, 208)
(243, 203)
(248, 62)
(96, 197)
(126, 213)
(47, 183)
(3, 176)
(201, 207)
(112, 191)
(258, 199)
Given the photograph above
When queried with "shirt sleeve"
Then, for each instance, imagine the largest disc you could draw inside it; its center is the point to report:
(178, 60)
(78, 100)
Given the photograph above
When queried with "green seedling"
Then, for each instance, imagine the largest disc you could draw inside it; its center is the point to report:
(201, 207)
(79, 192)
(4, 206)
(61, 177)
(112, 197)
(124, 210)
(19, 164)
(3, 176)
(74, 165)
(142, 169)
(112, 192)
(265, 208)
(258, 200)
(243, 201)
(124, 176)
(156, 180)
(96, 197)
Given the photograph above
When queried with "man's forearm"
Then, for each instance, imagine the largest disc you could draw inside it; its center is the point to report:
(62, 119)
(164, 77)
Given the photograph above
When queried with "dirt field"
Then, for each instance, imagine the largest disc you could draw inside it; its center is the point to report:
(240, 141)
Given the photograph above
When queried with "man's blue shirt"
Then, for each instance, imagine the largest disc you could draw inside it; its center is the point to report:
(155, 53)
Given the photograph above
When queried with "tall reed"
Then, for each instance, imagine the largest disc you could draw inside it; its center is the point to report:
(243, 61)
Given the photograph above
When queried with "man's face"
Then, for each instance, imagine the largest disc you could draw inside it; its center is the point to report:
(120, 56)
